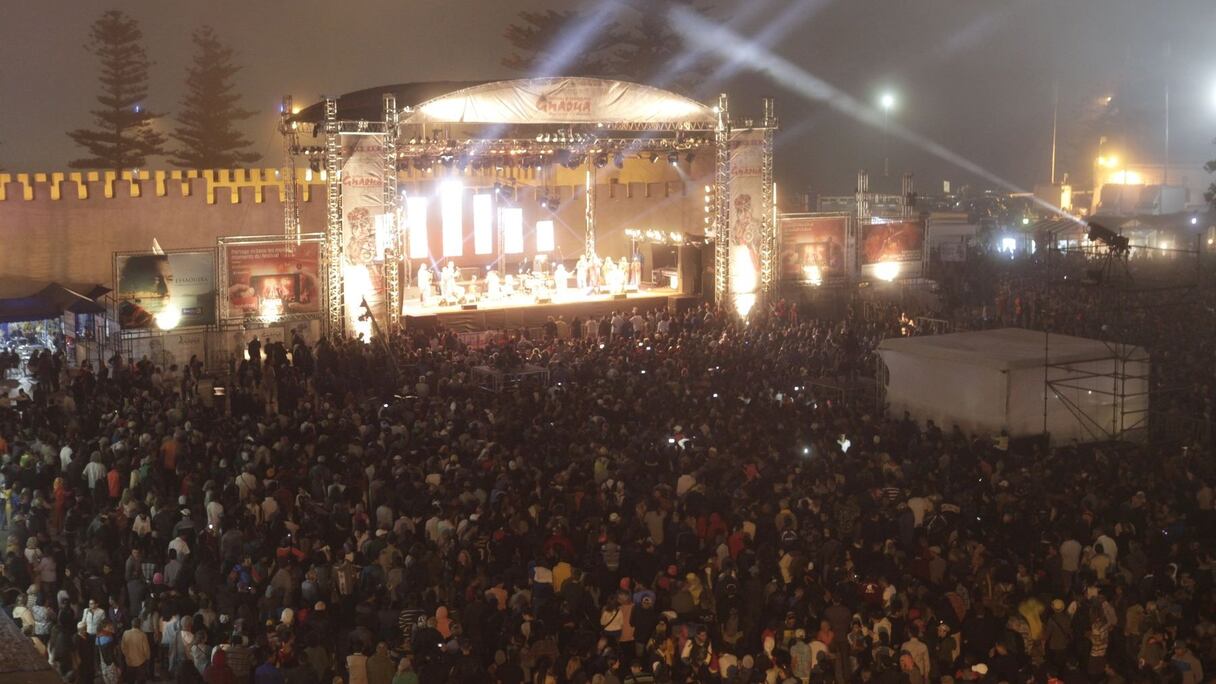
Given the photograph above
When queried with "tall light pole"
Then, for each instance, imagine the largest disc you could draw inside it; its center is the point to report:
(887, 102)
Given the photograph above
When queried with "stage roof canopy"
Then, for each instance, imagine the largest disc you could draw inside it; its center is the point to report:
(540, 101)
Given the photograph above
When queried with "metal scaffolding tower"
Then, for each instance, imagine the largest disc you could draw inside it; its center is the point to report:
(333, 221)
(721, 215)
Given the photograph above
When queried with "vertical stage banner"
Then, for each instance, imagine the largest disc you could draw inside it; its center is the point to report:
(362, 205)
(746, 214)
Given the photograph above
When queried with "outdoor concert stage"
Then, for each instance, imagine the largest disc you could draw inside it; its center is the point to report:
(526, 313)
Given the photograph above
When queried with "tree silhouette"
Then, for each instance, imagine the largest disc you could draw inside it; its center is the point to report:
(123, 137)
(535, 40)
(643, 47)
(1210, 195)
(207, 133)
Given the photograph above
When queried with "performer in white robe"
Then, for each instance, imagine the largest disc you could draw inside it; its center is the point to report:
(493, 284)
(424, 284)
(635, 274)
(561, 278)
(447, 284)
(580, 274)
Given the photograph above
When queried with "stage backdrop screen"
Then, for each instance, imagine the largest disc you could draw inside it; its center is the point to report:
(900, 242)
(147, 284)
(812, 246)
(278, 271)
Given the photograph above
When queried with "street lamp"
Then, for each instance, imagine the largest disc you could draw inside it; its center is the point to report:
(887, 102)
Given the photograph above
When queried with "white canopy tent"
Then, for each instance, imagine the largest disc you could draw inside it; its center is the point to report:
(994, 380)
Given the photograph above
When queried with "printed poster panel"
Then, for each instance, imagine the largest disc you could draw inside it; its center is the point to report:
(281, 275)
(150, 284)
(896, 242)
(746, 209)
(812, 247)
(362, 204)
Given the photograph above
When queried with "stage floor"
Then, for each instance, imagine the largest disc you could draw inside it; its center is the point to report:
(525, 313)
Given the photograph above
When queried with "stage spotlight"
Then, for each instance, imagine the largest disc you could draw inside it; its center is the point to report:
(618, 160)
(601, 160)
(673, 158)
(654, 157)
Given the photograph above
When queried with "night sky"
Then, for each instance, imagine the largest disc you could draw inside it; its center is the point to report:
(973, 75)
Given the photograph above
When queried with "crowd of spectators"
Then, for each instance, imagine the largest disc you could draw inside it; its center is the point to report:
(676, 504)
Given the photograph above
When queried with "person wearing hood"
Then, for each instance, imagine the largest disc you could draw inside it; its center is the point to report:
(218, 671)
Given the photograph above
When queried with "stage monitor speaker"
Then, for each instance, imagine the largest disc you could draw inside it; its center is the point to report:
(620, 296)
(468, 307)
(544, 300)
(690, 270)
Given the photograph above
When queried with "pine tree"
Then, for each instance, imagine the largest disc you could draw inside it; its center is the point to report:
(123, 138)
(207, 133)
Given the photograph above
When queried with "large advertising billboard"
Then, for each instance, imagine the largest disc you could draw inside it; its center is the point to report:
(812, 247)
(895, 247)
(165, 290)
(279, 276)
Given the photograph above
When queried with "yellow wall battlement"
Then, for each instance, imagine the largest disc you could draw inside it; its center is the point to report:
(216, 185)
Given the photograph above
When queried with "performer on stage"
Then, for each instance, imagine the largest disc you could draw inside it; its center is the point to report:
(580, 274)
(447, 283)
(616, 276)
(635, 273)
(470, 295)
(493, 284)
(606, 269)
(561, 277)
(424, 284)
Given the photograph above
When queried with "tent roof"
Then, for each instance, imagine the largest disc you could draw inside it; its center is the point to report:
(49, 302)
(1007, 348)
(19, 660)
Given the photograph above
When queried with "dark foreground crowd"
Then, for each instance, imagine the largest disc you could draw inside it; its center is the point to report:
(676, 504)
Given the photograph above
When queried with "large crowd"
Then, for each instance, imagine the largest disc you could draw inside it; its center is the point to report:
(675, 504)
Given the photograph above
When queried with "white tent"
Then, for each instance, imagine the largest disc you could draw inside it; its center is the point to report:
(995, 380)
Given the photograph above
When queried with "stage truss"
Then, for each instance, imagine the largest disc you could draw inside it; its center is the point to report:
(573, 145)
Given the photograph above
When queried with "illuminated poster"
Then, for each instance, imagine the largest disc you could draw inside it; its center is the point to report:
(746, 213)
(165, 291)
(278, 276)
(895, 248)
(362, 205)
(812, 247)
